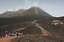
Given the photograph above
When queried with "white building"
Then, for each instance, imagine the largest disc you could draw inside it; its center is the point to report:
(56, 22)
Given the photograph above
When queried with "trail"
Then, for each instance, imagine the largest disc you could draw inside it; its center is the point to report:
(38, 25)
(44, 32)
(22, 28)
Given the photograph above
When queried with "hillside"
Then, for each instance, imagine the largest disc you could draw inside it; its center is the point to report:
(9, 14)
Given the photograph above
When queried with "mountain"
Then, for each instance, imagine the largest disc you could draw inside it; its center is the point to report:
(35, 11)
(31, 12)
(9, 14)
(23, 15)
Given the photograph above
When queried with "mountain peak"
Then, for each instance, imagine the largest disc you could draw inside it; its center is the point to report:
(36, 11)
(34, 7)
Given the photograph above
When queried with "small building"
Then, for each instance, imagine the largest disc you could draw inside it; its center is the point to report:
(57, 22)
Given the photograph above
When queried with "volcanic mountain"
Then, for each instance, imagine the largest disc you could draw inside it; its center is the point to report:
(36, 11)
(31, 12)
(22, 15)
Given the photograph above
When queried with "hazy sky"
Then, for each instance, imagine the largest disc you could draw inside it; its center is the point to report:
(53, 7)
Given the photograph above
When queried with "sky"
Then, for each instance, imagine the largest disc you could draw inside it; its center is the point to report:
(53, 7)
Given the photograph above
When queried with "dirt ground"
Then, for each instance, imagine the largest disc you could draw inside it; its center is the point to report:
(7, 39)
